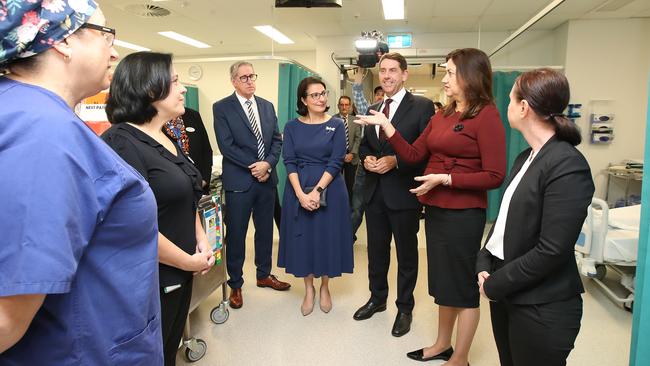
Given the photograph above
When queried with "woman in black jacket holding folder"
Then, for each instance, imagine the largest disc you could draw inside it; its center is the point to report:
(527, 267)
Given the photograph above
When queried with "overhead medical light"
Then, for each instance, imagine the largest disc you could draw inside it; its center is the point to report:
(184, 39)
(393, 9)
(131, 46)
(274, 34)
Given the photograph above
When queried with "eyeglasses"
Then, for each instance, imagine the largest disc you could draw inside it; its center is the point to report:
(108, 33)
(316, 96)
(245, 78)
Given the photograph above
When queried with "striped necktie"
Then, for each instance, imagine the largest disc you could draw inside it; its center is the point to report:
(256, 130)
(347, 134)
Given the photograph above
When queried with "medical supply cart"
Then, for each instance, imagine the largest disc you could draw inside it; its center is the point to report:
(210, 211)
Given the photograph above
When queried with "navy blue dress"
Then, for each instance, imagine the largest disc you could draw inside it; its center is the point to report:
(317, 242)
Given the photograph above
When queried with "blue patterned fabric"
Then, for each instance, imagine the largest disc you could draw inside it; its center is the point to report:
(29, 27)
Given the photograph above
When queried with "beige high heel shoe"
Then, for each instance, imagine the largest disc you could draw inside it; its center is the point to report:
(325, 307)
(306, 310)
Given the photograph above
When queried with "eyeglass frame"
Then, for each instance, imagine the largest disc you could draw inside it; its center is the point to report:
(104, 31)
(246, 78)
(316, 96)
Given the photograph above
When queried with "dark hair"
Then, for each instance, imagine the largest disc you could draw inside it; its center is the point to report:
(28, 64)
(377, 88)
(474, 75)
(302, 93)
(438, 105)
(345, 97)
(547, 93)
(140, 79)
(395, 57)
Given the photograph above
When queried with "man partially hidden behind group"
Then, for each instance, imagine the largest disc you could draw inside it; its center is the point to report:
(247, 133)
(352, 142)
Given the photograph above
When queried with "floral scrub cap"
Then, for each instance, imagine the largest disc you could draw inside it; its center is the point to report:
(29, 27)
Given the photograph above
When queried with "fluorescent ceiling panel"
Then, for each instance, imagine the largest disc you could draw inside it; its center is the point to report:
(274, 34)
(184, 39)
(131, 46)
(393, 9)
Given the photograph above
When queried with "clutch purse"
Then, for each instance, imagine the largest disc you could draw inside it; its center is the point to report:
(323, 195)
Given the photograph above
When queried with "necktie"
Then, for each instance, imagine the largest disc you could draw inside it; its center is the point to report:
(347, 134)
(256, 130)
(382, 135)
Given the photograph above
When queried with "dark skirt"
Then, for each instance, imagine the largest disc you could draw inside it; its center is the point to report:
(453, 241)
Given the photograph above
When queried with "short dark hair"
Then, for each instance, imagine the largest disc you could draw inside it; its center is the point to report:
(474, 74)
(140, 79)
(395, 57)
(547, 93)
(377, 88)
(302, 93)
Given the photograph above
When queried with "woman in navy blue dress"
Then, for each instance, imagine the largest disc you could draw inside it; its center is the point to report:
(316, 232)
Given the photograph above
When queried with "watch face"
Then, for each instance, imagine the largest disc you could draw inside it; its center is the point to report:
(195, 72)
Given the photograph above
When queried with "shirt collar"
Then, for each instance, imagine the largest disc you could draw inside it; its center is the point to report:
(243, 100)
(397, 98)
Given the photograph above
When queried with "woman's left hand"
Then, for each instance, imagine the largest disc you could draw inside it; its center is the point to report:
(314, 199)
(429, 181)
(203, 247)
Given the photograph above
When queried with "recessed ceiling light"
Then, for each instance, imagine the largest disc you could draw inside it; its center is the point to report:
(184, 39)
(131, 46)
(393, 9)
(274, 34)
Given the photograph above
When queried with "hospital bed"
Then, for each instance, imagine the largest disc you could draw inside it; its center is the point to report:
(609, 240)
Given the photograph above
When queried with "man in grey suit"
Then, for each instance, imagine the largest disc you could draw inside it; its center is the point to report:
(353, 137)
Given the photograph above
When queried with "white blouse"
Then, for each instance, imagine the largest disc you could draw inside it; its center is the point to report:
(495, 244)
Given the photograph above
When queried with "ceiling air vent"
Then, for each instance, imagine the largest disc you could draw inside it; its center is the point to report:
(147, 10)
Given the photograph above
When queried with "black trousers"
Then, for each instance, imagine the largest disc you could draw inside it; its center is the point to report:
(382, 224)
(536, 335)
(174, 307)
(349, 173)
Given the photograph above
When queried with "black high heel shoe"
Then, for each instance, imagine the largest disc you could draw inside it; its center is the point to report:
(419, 355)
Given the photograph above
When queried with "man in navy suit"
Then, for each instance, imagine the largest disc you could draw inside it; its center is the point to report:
(249, 140)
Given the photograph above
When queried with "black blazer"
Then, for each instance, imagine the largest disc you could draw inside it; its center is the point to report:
(410, 119)
(544, 219)
(237, 142)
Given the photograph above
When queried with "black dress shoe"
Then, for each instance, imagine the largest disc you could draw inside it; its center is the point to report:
(402, 324)
(419, 355)
(368, 310)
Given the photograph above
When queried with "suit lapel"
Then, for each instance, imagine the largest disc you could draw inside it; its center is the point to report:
(404, 106)
(371, 131)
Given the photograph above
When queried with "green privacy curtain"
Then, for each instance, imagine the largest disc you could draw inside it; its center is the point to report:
(501, 85)
(192, 97)
(289, 77)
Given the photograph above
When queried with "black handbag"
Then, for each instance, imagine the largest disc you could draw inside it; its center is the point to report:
(323, 195)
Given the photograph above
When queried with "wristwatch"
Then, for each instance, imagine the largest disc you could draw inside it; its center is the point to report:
(320, 189)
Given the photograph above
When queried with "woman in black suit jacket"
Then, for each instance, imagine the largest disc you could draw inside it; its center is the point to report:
(527, 267)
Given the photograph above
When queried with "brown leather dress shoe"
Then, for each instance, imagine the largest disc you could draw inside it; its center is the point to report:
(236, 300)
(273, 282)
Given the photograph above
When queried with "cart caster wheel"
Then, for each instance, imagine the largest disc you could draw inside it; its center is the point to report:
(601, 272)
(198, 352)
(219, 315)
(629, 306)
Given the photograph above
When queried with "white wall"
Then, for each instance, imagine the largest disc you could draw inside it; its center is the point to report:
(215, 82)
(610, 59)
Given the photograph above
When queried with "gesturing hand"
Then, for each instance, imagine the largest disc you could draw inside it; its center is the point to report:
(429, 181)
